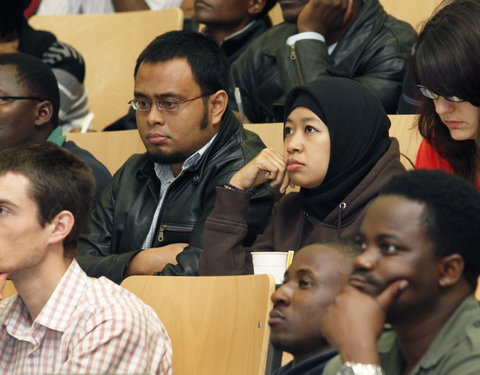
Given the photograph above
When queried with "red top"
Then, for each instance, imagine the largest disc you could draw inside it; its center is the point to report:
(427, 158)
(32, 8)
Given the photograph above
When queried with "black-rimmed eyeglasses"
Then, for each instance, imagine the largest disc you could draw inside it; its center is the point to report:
(426, 92)
(169, 105)
(4, 99)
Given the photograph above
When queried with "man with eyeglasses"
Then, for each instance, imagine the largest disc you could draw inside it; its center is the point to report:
(150, 219)
(29, 110)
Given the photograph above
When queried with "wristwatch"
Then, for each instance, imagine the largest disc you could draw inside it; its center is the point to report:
(351, 368)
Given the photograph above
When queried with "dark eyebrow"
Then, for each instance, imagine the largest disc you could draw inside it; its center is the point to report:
(388, 237)
(304, 272)
(6, 202)
(303, 119)
(160, 96)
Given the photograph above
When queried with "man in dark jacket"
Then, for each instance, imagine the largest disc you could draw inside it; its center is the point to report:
(150, 219)
(349, 38)
(233, 24)
(29, 110)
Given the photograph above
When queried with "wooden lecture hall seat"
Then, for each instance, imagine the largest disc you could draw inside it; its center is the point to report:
(217, 324)
(110, 44)
(415, 12)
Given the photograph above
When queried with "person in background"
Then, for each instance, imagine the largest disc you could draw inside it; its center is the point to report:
(336, 149)
(316, 276)
(410, 101)
(61, 321)
(67, 64)
(354, 39)
(107, 6)
(449, 119)
(233, 24)
(417, 271)
(29, 110)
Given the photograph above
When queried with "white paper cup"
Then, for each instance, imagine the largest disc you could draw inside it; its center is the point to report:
(270, 262)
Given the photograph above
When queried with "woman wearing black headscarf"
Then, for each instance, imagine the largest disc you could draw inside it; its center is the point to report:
(337, 149)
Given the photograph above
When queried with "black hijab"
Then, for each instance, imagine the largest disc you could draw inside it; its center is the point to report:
(358, 128)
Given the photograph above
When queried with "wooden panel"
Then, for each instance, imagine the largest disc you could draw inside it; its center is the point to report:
(111, 148)
(404, 129)
(110, 45)
(415, 12)
(276, 15)
(8, 290)
(218, 325)
(271, 134)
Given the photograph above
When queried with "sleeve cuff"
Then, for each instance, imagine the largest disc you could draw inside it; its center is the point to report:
(305, 35)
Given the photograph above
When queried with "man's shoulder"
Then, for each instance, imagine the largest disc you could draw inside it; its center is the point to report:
(269, 42)
(87, 157)
(112, 301)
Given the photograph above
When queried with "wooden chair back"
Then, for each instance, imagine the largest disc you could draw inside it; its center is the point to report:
(414, 12)
(403, 127)
(276, 15)
(8, 289)
(110, 44)
(110, 148)
(217, 324)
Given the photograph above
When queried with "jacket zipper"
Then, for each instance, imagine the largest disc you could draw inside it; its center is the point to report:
(171, 228)
(293, 57)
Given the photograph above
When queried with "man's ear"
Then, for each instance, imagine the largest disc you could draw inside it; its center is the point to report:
(256, 6)
(218, 105)
(61, 226)
(451, 270)
(44, 113)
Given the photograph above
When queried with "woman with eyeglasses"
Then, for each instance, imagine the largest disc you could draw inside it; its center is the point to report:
(336, 149)
(447, 68)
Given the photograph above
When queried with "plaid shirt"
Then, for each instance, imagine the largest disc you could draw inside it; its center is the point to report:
(88, 326)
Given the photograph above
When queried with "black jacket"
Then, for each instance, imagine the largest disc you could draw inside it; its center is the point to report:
(374, 52)
(122, 217)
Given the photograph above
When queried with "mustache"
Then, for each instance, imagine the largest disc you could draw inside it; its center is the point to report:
(367, 277)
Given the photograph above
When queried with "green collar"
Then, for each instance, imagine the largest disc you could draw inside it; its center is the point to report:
(57, 136)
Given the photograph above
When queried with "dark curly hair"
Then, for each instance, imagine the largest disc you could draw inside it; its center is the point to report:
(451, 214)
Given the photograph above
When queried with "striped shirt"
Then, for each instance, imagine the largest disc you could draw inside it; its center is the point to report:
(88, 326)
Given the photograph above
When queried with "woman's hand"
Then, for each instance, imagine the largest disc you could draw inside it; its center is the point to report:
(267, 165)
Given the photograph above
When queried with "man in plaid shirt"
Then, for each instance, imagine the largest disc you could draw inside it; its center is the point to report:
(61, 321)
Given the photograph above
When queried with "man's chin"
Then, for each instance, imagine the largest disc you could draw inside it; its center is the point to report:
(168, 159)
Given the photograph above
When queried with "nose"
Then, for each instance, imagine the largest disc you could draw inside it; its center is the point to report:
(443, 106)
(366, 260)
(155, 116)
(294, 143)
(282, 295)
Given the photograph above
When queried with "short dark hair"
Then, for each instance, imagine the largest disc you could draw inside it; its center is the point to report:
(348, 247)
(59, 181)
(447, 61)
(206, 59)
(451, 214)
(11, 18)
(37, 77)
